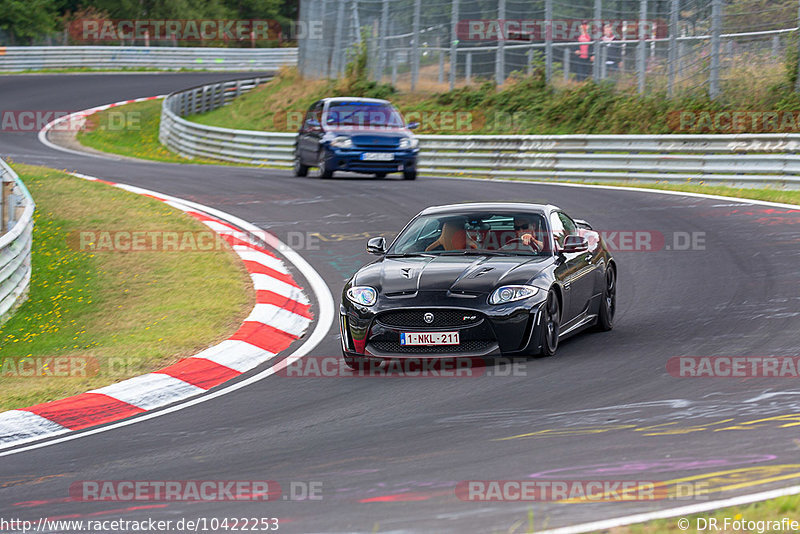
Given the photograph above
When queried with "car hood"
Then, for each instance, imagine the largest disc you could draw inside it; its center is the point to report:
(461, 274)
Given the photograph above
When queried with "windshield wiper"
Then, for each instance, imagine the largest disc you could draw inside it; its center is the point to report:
(410, 255)
(476, 252)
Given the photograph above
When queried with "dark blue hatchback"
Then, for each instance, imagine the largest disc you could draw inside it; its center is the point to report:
(363, 135)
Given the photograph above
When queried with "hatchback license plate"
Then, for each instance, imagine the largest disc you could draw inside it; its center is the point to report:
(429, 338)
(377, 156)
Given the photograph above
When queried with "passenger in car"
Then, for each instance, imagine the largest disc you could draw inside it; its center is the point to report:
(453, 237)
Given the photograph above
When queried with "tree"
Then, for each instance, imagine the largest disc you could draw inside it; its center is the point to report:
(25, 20)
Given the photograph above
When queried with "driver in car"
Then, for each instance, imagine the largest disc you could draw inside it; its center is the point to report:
(525, 239)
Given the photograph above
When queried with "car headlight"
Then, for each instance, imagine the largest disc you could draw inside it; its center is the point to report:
(342, 141)
(505, 294)
(362, 295)
(409, 142)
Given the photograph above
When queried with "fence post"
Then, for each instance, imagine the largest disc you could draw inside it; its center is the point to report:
(603, 58)
(440, 51)
(382, 33)
(415, 45)
(797, 81)
(500, 53)
(673, 50)
(565, 62)
(338, 36)
(321, 49)
(598, 29)
(394, 69)
(716, 30)
(529, 55)
(641, 51)
(548, 40)
(468, 67)
(453, 42)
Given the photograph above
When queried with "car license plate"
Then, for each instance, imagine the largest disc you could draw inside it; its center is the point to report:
(429, 338)
(377, 156)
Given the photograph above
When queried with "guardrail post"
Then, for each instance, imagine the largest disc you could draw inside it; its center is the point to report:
(5, 204)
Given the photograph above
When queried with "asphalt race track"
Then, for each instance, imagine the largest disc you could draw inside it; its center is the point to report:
(390, 451)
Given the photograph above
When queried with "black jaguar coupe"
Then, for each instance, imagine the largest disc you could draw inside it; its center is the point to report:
(478, 280)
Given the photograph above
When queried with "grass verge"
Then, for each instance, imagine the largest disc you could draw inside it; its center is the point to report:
(126, 313)
(131, 130)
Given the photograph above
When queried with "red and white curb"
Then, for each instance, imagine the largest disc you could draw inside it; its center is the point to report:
(280, 316)
(77, 120)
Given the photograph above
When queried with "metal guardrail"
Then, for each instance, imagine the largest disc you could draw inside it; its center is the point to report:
(16, 213)
(130, 57)
(739, 159)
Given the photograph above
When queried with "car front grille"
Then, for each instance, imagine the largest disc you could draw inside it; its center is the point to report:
(441, 318)
(476, 346)
(369, 141)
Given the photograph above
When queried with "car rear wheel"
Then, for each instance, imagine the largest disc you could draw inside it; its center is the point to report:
(608, 307)
(551, 322)
(410, 175)
(300, 170)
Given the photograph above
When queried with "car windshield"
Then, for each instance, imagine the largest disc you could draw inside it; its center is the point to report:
(474, 233)
(363, 114)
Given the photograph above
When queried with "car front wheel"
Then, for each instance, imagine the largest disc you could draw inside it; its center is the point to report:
(300, 170)
(323, 171)
(551, 323)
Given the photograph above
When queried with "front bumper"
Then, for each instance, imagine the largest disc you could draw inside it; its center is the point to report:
(340, 159)
(495, 330)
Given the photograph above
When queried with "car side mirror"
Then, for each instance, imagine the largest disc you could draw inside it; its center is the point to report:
(376, 245)
(412, 125)
(313, 123)
(575, 243)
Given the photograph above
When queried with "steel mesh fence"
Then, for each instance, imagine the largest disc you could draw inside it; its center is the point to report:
(669, 45)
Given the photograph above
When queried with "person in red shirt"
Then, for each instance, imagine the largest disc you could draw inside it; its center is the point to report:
(583, 63)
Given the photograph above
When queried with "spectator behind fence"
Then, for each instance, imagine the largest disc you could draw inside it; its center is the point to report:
(583, 65)
(612, 49)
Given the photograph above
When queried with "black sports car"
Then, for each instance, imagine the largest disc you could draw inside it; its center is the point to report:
(478, 280)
